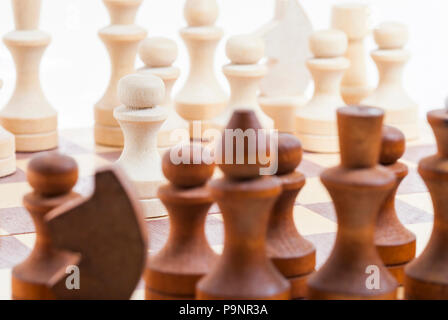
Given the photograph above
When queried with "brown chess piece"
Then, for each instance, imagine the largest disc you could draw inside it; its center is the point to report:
(395, 243)
(173, 272)
(106, 237)
(427, 276)
(292, 254)
(52, 177)
(358, 187)
(244, 271)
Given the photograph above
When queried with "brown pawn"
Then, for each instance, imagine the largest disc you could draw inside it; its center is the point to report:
(427, 276)
(244, 270)
(186, 257)
(358, 187)
(52, 176)
(395, 243)
(292, 254)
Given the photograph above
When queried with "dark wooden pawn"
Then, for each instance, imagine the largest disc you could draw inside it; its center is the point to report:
(395, 244)
(358, 187)
(244, 270)
(52, 177)
(292, 254)
(426, 277)
(173, 272)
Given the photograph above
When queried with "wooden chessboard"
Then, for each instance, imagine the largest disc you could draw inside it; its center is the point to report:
(313, 213)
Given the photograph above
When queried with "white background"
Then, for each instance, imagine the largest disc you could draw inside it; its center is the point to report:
(75, 68)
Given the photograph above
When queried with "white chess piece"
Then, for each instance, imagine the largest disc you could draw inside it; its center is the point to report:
(158, 55)
(28, 114)
(201, 98)
(316, 122)
(121, 39)
(390, 57)
(354, 20)
(7, 151)
(283, 88)
(244, 74)
(140, 118)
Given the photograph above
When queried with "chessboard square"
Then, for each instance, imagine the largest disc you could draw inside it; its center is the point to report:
(412, 183)
(139, 294)
(323, 242)
(421, 201)
(12, 251)
(310, 169)
(28, 239)
(18, 176)
(12, 194)
(416, 153)
(5, 280)
(422, 232)
(15, 221)
(88, 164)
(322, 160)
(409, 214)
(309, 222)
(325, 209)
(313, 192)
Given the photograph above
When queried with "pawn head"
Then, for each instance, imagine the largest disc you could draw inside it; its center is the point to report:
(158, 52)
(52, 174)
(289, 153)
(391, 35)
(141, 91)
(330, 43)
(392, 145)
(188, 166)
(245, 49)
(201, 12)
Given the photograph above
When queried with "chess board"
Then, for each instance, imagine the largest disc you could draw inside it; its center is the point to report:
(313, 213)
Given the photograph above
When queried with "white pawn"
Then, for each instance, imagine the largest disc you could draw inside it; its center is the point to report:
(390, 58)
(140, 117)
(316, 122)
(158, 55)
(354, 20)
(202, 97)
(7, 151)
(244, 74)
(121, 39)
(28, 114)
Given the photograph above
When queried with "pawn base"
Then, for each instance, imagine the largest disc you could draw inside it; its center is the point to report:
(416, 289)
(7, 166)
(282, 111)
(108, 136)
(36, 142)
(319, 143)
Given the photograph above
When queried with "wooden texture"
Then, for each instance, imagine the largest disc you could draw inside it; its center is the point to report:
(395, 244)
(201, 98)
(28, 114)
(427, 276)
(52, 177)
(108, 243)
(358, 188)
(244, 73)
(244, 270)
(390, 58)
(140, 117)
(158, 54)
(173, 272)
(121, 39)
(316, 121)
(354, 20)
(291, 253)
